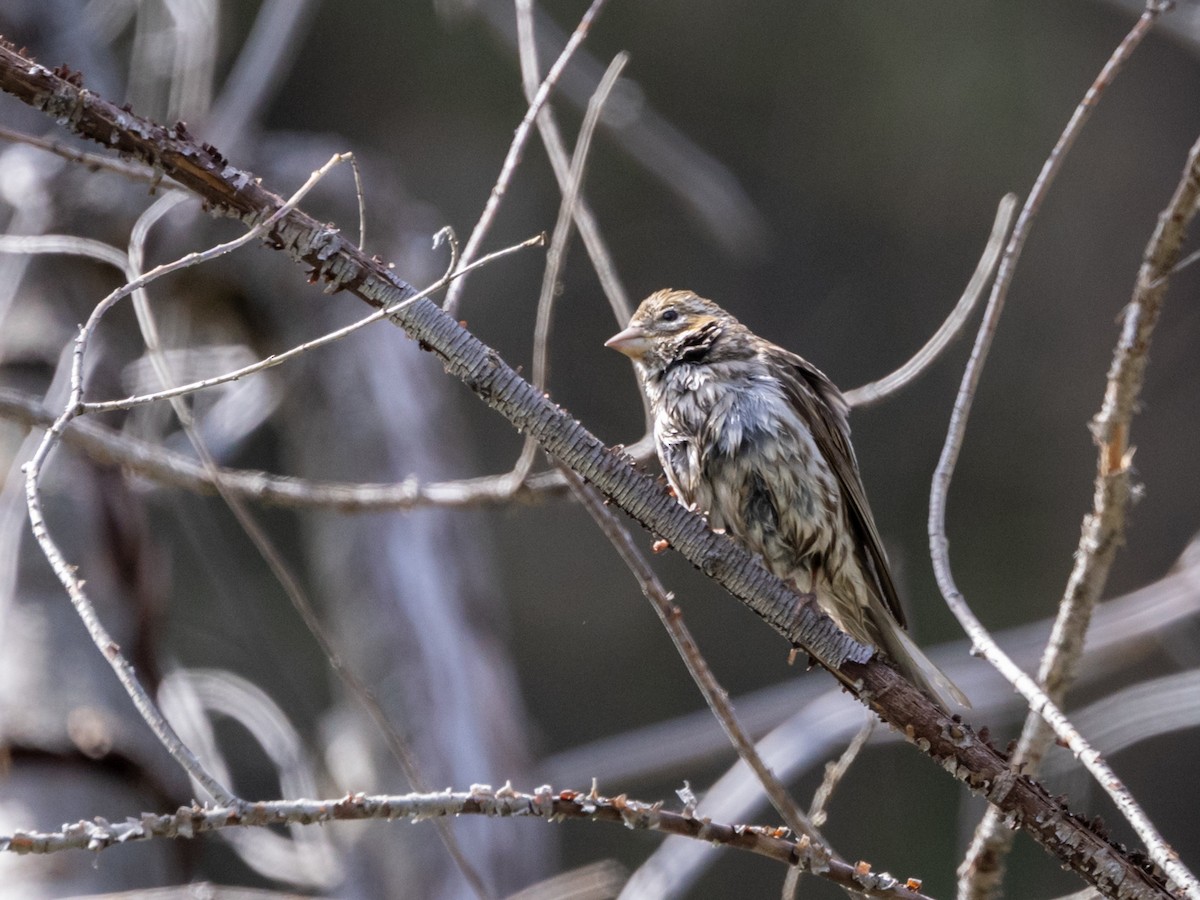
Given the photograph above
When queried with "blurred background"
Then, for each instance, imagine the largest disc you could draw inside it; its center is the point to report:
(828, 173)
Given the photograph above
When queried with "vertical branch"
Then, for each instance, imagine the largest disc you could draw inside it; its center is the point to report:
(556, 150)
(537, 100)
(556, 256)
(982, 870)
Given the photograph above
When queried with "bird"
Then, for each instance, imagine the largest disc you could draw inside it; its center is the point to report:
(757, 439)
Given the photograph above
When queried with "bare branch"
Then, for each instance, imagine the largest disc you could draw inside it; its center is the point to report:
(517, 148)
(556, 256)
(949, 329)
(987, 850)
(168, 467)
(689, 651)
(93, 162)
(585, 220)
(188, 822)
(836, 771)
(333, 260)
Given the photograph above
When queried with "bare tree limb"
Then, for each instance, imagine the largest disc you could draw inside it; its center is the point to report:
(556, 255)
(332, 260)
(187, 822)
(517, 148)
(689, 651)
(982, 869)
(93, 162)
(166, 466)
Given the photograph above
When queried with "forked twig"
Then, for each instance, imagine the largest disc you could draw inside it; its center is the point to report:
(276, 359)
(67, 573)
(1039, 703)
(556, 256)
(517, 148)
(689, 651)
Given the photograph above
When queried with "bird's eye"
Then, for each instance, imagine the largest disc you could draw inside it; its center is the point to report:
(669, 315)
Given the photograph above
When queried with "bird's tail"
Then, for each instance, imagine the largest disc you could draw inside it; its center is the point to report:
(919, 668)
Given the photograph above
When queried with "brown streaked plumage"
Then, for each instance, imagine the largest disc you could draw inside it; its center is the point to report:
(757, 439)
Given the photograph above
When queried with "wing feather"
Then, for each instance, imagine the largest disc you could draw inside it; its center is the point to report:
(819, 403)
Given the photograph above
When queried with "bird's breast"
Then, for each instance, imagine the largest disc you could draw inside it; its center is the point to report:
(734, 447)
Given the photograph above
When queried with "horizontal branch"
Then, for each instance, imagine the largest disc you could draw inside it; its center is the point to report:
(166, 466)
(336, 262)
(481, 800)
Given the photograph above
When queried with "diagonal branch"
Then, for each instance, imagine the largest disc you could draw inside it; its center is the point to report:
(334, 261)
(982, 869)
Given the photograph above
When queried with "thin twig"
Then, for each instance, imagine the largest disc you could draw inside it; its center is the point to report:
(111, 651)
(329, 258)
(361, 197)
(66, 244)
(517, 148)
(560, 162)
(689, 651)
(276, 359)
(921, 360)
(93, 162)
(557, 254)
(982, 869)
(836, 771)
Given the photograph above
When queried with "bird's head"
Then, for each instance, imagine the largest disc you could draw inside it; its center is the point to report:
(672, 327)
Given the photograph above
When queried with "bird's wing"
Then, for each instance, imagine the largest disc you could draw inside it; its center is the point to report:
(819, 403)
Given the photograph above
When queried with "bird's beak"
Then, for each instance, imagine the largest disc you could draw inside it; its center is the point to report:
(632, 342)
